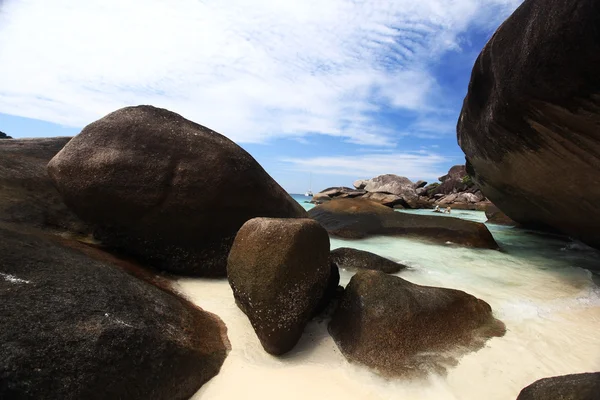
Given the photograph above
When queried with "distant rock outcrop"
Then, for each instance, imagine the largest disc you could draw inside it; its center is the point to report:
(279, 272)
(567, 387)
(398, 328)
(360, 184)
(4, 136)
(165, 190)
(529, 123)
(359, 218)
(354, 260)
(80, 327)
(394, 184)
(456, 190)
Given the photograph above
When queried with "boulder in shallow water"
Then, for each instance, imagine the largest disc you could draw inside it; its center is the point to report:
(27, 195)
(164, 189)
(360, 218)
(279, 272)
(529, 123)
(567, 387)
(399, 328)
(77, 327)
(353, 259)
(495, 216)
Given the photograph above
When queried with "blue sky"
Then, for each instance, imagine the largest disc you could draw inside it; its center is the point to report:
(342, 89)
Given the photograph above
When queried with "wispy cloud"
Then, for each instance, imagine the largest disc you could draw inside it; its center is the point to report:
(252, 70)
(413, 165)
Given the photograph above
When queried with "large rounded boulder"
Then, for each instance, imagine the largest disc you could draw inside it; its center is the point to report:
(164, 189)
(279, 272)
(360, 218)
(402, 329)
(80, 327)
(529, 123)
(354, 260)
(566, 387)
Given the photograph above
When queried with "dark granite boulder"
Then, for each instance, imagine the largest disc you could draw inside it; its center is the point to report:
(164, 189)
(567, 387)
(359, 218)
(27, 195)
(399, 328)
(495, 216)
(353, 259)
(529, 123)
(80, 327)
(279, 272)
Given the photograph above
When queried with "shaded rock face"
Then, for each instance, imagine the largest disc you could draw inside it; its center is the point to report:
(320, 197)
(165, 190)
(336, 191)
(279, 271)
(386, 199)
(529, 123)
(452, 182)
(420, 184)
(360, 184)
(27, 195)
(398, 328)
(495, 216)
(567, 387)
(352, 259)
(359, 218)
(75, 327)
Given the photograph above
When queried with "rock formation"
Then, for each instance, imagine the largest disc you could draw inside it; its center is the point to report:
(456, 190)
(397, 327)
(567, 387)
(27, 195)
(529, 123)
(353, 260)
(359, 218)
(81, 327)
(165, 190)
(279, 272)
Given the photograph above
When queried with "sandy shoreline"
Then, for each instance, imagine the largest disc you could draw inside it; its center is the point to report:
(533, 348)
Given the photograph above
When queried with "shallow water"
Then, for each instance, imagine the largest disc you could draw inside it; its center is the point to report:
(538, 285)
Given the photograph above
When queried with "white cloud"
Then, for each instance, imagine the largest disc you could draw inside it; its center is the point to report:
(414, 165)
(249, 69)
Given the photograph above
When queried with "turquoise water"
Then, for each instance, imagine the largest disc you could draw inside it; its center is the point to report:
(535, 249)
(539, 285)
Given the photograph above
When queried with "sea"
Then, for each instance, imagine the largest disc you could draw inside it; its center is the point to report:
(540, 285)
